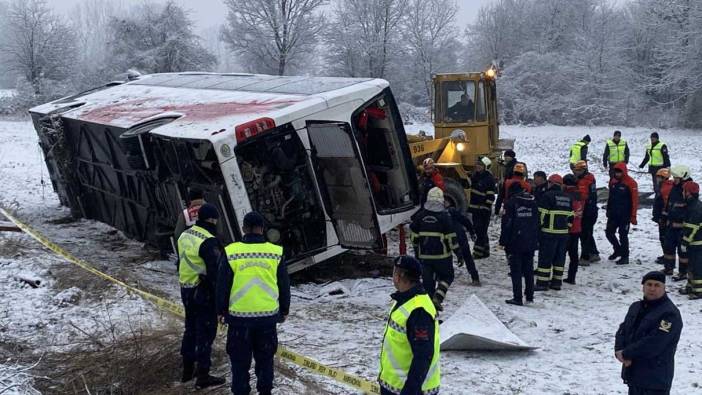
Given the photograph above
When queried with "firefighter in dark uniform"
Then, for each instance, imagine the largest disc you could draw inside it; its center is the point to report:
(409, 358)
(555, 218)
(461, 225)
(677, 210)
(540, 184)
(482, 196)
(430, 178)
(692, 241)
(587, 186)
(200, 255)
(657, 158)
(434, 240)
(519, 236)
(660, 203)
(519, 173)
(648, 338)
(253, 296)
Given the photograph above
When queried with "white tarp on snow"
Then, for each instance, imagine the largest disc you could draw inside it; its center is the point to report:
(475, 327)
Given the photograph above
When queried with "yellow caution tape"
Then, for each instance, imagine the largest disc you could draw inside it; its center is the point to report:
(340, 376)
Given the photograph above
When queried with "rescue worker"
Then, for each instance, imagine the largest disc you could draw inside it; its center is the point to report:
(616, 151)
(434, 239)
(555, 218)
(578, 151)
(677, 210)
(200, 254)
(253, 295)
(409, 358)
(461, 224)
(646, 341)
(509, 159)
(482, 196)
(518, 176)
(540, 184)
(430, 178)
(588, 190)
(570, 184)
(462, 111)
(660, 203)
(188, 217)
(692, 241)
(622, 204)
(656, 156)
(519, 236)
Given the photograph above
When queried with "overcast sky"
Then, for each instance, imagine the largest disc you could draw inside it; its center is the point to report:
(212, 12)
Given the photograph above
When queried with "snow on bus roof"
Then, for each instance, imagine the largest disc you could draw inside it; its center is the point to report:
(197, 98)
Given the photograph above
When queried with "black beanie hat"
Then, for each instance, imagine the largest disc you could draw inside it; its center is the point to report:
(655, 134)
(253, 220)
(587, 138)
(510, 153)
(410, 264)
(654, 275)
(207, 211)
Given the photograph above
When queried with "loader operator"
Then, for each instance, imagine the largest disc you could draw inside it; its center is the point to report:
(253, 295)
(200, 254)
(434, 239)
(409, 358)
(462, 111)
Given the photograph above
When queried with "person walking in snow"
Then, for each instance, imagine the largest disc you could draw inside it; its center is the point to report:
(616, 151)
(587, 186)
(660, 203)
(622, 205)
(646, 341)
(556, 217)
(578, 151)
(677, 211)
(570, 184)
(482, 196)
(409, 357)
(692, 240)
(656, 156)
(434, 240)
(461, 225)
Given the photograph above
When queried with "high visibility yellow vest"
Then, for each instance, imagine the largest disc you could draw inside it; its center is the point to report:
(254, 291)
(190, 264)
(396, 354)
(616, 151)
(575, 151)
(655, 156)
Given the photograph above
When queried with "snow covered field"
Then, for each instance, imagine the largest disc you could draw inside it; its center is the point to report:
(574, 328)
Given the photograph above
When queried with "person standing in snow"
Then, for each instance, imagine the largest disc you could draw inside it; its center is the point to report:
(660, 203)
(556, 217)
(692, 240)
(616, 151)
(461, 224)
(409, 357)
(482, 196)
(578, 151)
(571, 189)
(622, 205)
(431, 177)
(587, 186)
(188, 217)
(646, 341)
(200, 255)
(540, 184)
(253, 296)
(676, 210)
(657, 158)
(519, 236)
(434, 240)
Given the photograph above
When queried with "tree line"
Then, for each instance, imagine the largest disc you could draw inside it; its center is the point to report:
(564, 62)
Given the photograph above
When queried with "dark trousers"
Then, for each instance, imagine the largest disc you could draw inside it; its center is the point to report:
(481, 223)
(261, 342)
(587, 239)
(672, 245)
(644, 391)
(694, 275)
(572, 248)
(469, 262)
(436, 270)
(621, 246)
(200, 328)
(521, 265)
(653, 170)
(552, 253)
(662, 230)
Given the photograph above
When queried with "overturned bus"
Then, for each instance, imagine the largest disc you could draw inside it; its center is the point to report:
(325, 160)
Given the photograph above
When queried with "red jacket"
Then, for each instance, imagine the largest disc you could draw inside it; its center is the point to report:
(666, 187)
(514, 179)
(438, 180)
(578, 205)
(633, 187)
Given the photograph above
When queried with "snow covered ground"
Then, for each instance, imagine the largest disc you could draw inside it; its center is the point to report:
(574, 328)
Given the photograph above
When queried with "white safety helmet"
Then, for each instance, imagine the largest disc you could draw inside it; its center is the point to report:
(435, 195)
(485, 161)
(680, 171)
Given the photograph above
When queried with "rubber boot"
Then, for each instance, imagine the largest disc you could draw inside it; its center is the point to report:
(188, 372)
(206, 380)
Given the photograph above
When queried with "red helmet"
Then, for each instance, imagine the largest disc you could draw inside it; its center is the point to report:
(555, 179)
(691, 188)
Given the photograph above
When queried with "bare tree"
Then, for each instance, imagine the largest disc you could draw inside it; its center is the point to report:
(38, 45)
(272, 35)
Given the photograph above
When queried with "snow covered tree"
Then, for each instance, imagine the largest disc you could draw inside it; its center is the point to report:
(157, 38)
(37, 44)
(272, 36)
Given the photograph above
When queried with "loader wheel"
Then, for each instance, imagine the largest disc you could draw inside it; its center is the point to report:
(454, 195)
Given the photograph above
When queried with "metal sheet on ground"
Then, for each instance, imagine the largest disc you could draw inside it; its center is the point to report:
(474, 327)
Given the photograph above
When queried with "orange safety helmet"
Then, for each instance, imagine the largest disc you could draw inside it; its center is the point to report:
(555, 179)
(664, 172)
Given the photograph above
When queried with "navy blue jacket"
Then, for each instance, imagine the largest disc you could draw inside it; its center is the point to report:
(224, 286)
(677, 206)
(619, 202)
(436, 222)
(520, 227)
(420, 333)
(649, 337)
